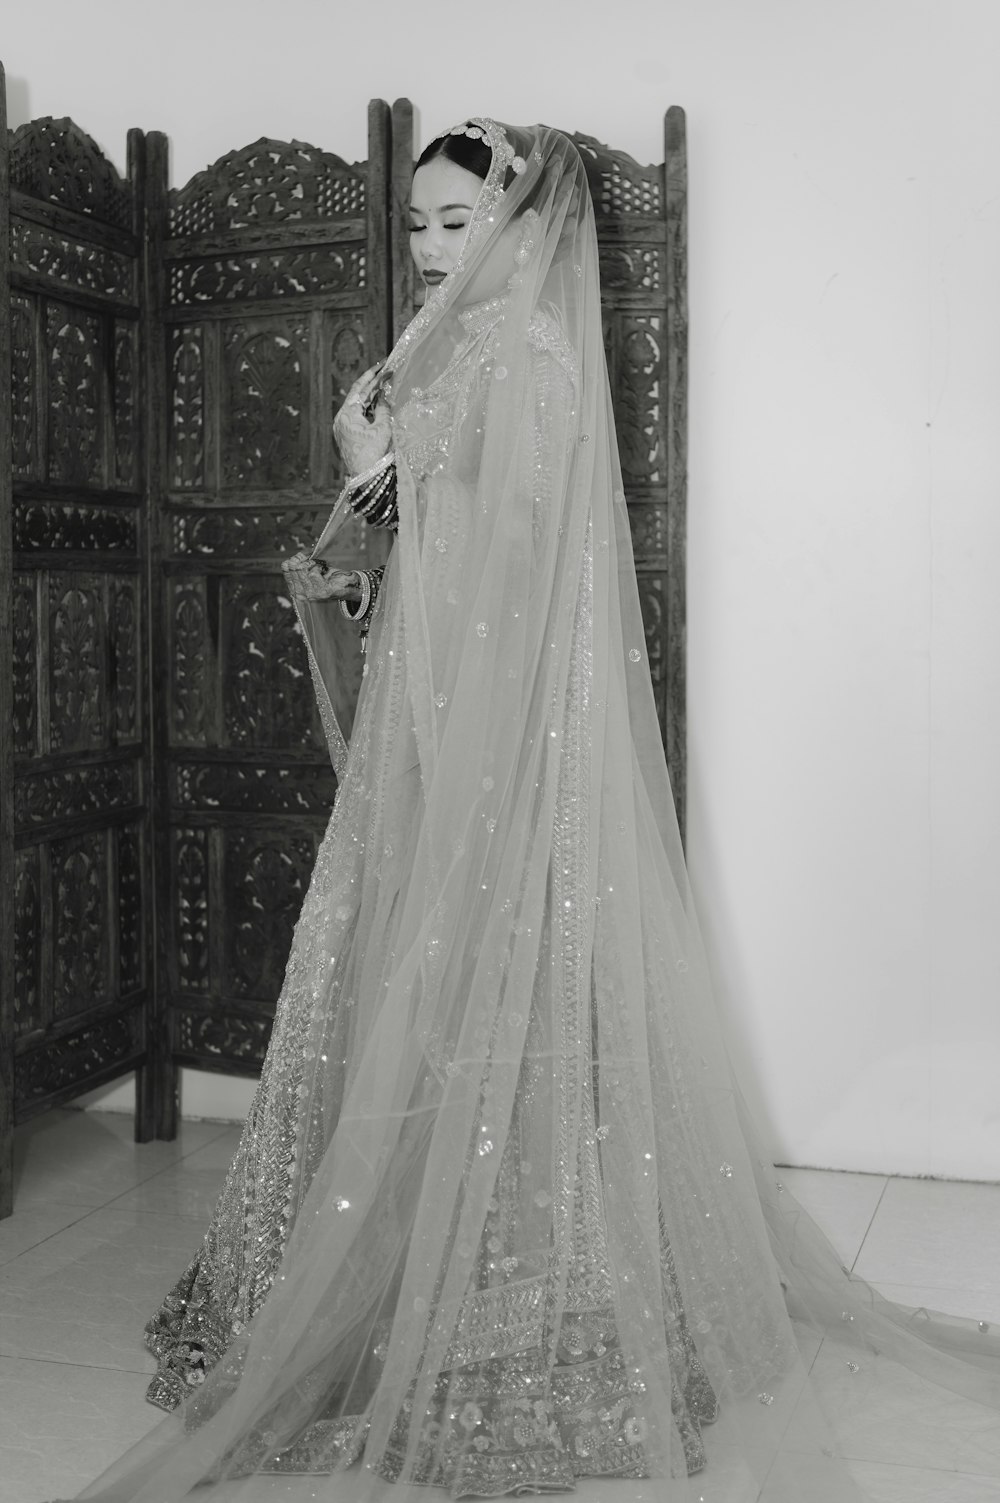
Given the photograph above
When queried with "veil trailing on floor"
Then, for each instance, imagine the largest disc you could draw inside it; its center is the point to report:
(526, 1235)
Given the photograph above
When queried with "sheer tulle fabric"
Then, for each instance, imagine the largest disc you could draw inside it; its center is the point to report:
(530, 1238)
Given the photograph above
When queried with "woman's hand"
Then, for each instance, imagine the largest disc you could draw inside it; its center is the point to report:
(311, 579)
(362, 429)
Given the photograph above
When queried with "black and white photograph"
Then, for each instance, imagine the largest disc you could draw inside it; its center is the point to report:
(499, 745)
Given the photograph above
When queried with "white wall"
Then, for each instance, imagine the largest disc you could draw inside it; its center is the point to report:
(845, 467)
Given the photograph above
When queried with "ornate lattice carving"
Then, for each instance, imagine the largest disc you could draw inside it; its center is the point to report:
(188, 661)
(79, 922)
(76, 667)
(633, 268)
(272, 274)
(23, 384)
(269, 182)
(227, 1037)
(75, 1060)
(640, 394)
(651, 600)
(25, 686)
(189, 852)
(266, 881)
(348, 358)
(677, 343)
(59, 793)
(125, 404)
(186, 463)
(266, 430)
(131, 968)
(55, 161)
(27, 941)
(74, 364)
(124, 624)
(618, 185)
(39, 251)
(649, 529)
(74, 527)
(238, 788)
(266, 689)
(218, 532)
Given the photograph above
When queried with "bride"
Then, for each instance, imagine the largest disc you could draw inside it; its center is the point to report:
(496, 1223)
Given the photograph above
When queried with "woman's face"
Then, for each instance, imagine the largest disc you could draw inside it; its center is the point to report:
(441, 203)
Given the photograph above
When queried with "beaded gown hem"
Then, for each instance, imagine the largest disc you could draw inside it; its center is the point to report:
(536, 1387)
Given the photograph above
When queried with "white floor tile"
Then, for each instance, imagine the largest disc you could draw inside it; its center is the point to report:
(934, 1233)
(30, 1227)
(189, 1187)
(87, 1158)
(103, 1227)
(907, 1484)
(187, 1190)
(887, 1414)
(61, 1425)
(877, 1482)
(218, 1154)
(841, 1204)
(84, 1295)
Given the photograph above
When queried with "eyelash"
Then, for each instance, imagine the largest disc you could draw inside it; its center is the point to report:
(415, 229)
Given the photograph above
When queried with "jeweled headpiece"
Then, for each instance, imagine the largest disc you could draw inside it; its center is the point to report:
(481, 128)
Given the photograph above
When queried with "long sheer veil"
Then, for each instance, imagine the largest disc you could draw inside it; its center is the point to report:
(498, 993)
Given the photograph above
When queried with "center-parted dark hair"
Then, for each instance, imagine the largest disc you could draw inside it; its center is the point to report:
(475, 156)
(465, 151)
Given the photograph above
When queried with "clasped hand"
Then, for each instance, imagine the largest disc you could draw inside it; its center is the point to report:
(310, 579)
(362, 429)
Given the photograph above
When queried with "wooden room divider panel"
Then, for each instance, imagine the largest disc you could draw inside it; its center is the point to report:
(642, 238)
(176, 359)
(274, 292)
(78, 722)
(7, 857)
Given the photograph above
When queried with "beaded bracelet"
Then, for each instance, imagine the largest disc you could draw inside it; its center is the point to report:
(364, 605)
(372, 494)
(361, 614)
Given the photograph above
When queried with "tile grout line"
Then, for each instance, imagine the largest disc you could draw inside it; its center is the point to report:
(94, 1367)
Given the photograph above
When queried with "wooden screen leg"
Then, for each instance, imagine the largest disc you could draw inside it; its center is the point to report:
(6, 1173)
(167, 1101)
(145, 1105)
(156, 1104)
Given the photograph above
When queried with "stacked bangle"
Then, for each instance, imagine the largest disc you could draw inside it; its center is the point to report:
(372, 495)
(361, 614)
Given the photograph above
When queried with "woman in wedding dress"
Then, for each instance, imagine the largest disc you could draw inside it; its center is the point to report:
(497, 1223)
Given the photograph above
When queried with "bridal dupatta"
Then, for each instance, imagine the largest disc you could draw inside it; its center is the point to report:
(525, 1237)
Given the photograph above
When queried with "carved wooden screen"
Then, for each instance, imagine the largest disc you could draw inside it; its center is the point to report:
(7, 859)
(272, 279)
(82, 980)
(274, 291)
(642, 236)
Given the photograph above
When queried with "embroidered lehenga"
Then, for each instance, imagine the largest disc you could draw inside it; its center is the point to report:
(496, 1222)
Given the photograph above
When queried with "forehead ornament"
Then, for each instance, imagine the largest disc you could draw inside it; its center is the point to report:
(495, 137)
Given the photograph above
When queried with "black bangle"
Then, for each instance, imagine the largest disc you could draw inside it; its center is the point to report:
(374, 500)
